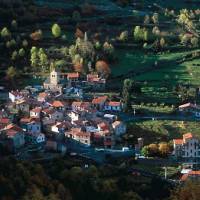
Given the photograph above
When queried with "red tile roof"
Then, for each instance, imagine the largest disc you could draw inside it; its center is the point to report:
(187, 136)
(103, 126)
(190, 174)
(73, 75)
(99, 100)
(178, 141)
(42, 95)
(189, 105)
(114, 103)
(58, 104)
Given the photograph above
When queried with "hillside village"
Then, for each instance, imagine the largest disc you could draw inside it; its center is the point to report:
(99, 100)
(60, 112)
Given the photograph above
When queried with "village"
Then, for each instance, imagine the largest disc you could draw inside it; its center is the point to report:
(58, 117)
(60, 112)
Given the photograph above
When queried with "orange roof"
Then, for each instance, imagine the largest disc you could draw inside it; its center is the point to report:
(99, 100)
(178, 141)
(103, 126)
(73, 75)
(191, 173)
(184, 177)
(58, 104)
(43, 94)
(188, 105)
(187, 136)
(194, 172)
(114, 103)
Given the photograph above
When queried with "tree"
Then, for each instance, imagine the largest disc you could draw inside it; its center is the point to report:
(131, 196)
(155, 18)
(25, 43)
(14, 55)
(14, 24)
(194, 41)
(34, 57)
(162, 42)
(146, 35)
(108, 48)
(138, 34)
(56, 30)
(43, 59)
(145, 151)
(37, 35)
(188, 191)
(102, 68)
(164, 149)
(11, 73)
(5, 33)
(123, 36)
(153, 149)
(22, 52)
(146, 19)
(76, 16)
(126, 94)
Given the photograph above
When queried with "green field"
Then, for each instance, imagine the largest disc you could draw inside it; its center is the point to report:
(157, 83)
(165, 130)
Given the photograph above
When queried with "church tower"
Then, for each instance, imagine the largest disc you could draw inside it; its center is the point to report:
(54, 76)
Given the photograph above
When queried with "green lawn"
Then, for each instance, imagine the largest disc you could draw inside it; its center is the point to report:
(165, 130)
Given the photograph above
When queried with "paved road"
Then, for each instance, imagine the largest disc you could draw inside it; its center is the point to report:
(131, 117)
(92, 153)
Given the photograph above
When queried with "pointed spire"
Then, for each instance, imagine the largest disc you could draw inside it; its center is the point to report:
(85, 37)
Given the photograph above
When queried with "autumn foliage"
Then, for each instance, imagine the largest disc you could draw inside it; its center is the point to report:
(103, 68)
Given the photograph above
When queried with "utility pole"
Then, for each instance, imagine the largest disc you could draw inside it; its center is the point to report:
(165, 168)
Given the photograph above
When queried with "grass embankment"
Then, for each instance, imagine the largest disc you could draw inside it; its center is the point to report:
(159, 82)
(165, 130)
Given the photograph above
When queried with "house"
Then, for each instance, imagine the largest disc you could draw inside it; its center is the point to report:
(191, 175)
(119, 128)
(22, 105)
(13, 136)
(59, 105)
(188, 147)
(96, 82)
(15, 95)
(54, 82)
(36, 112)
(189, 108)
(35, 138)
(113, 106)
(80, 136)
(74, 116)
(53, 114)
(103, 126)
(4, 122)
(61, 127)
(73, 77)
(31, 125)
(81, 106)
(42, 97)
(99, 102)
